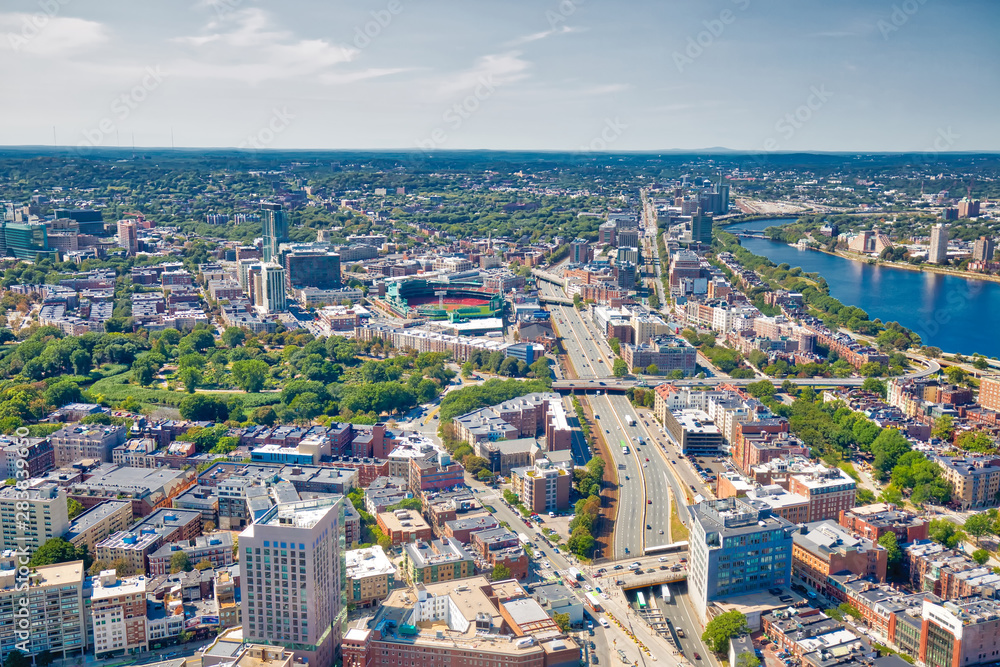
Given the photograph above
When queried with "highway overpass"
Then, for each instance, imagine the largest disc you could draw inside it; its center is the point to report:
(559, 300)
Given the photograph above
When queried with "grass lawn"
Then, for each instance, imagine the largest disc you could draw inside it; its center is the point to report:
(678, 531)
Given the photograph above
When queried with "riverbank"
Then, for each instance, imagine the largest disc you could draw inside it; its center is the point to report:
(917, 268)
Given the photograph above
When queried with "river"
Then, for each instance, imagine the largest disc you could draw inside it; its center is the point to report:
(955, 314)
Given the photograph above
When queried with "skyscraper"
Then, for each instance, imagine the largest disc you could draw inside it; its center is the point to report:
(272, 295)
(128, 236)
(938, 253)
(579, 252)
(701, 228)
(983, 249)
(311, 266)
(292, 588)
(275, 227)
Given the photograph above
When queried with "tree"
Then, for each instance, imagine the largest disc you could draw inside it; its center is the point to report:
(250, 375)
(501, 572)
(144, 370)
(761, 389)
(484, 475)
(468, 369)
(203, 564)
(562, 620)
(44, 659)
(16, 659)
(82, 363)
(473, 464)
(652, 369)
(747, 659)
(874, 386)
(978, 525)
(190, 377)
(956, 374)
(199, 407)
(179, 562)
(850, 610)
(616, 346)
(981, 556)
(62, 393)
(233, 337)
(944, 532)
(722, 628)
(73, 508)
(893, 554)
(620, 368)
(864, 496)
(944, 427)
(891, 494)
(264, 415)
(57, 550)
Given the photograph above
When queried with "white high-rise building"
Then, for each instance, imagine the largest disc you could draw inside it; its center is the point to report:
(273, 297)
(292, 561)
(938, 253)
(30, 522)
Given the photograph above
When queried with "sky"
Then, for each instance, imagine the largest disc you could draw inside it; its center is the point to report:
(598, 75)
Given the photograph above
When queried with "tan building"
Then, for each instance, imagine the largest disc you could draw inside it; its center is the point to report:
(439, 560)
(55, 597)
(822, 548)
(98, 522)
(989, 392)
(226, 607)
(118, 612)
(404, 526)
(79, 441)
(370, 576)
(542, 487)
(28, 522)
(975, 479)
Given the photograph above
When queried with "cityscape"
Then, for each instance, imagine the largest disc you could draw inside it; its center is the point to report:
(494, 397)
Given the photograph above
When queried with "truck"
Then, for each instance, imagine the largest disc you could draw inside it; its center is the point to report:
(629, 420)
(574, 574)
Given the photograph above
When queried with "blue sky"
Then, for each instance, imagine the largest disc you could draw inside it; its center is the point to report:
(858, 75)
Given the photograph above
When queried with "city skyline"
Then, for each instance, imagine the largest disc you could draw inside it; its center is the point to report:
(557, 76)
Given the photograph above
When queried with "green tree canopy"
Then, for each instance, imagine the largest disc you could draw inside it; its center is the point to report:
(722, 628)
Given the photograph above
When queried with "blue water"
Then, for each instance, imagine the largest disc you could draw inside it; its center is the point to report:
(955, 314)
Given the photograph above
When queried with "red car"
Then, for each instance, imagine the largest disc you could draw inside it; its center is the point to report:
(527, 523)
(649, 502)
(697, 656)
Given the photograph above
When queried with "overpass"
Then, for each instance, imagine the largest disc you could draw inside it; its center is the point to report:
(549, 278)
(559, 300)
(615, 385)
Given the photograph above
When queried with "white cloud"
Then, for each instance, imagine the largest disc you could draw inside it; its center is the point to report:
(536, 36)
(493, 69)
(47, 35)
(240, 45)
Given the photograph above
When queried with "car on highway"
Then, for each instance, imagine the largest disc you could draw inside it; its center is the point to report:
(648, 527)
(618, 567)
(673, 461)
(649, 502)
(697, 656)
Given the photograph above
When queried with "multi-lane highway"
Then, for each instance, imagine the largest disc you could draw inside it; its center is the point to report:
(589, 354)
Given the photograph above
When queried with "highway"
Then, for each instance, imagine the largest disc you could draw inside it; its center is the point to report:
(583, 346)
(630, 516)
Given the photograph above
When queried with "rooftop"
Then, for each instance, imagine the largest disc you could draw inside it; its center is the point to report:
(368, 562)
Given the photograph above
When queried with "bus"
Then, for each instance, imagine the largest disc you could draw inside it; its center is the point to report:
(641, 599)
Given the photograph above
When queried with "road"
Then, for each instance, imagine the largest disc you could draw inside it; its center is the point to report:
(587, 351)
(631, 510)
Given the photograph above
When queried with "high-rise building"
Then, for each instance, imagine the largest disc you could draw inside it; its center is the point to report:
(606, 233)
(627, 238)
(275, 228)
(938, 253)
(54, 596)
(292, 584)
(968, 208)
(701, 228)
(25, 240)
(40, 516)
(579, 251)
(983, 249)
(271, 294)
(311, 267)
(118, 613)
(737, 547)
(128, 236)
(91, 222)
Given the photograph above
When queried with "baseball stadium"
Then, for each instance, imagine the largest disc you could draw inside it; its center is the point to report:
(452, 301)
